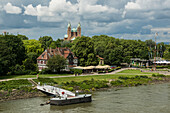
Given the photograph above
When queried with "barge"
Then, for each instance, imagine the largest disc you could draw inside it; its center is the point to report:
(64, 97)
(71, 100)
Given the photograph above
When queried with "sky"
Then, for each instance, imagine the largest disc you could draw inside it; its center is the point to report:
(125, 19)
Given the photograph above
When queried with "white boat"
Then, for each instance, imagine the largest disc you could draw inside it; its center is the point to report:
(71, 100)
(64, 97)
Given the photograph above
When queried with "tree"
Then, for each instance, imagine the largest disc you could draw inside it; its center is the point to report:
(12, 52)
(117, 51)
(56, 63)
(66, 43)
(167, 52)
(45, 41)
(53, 45)
(83, 48)
(33, 46)
(30, 65)
(33, 56)
(58, 42)
(22, 37)
(150, 43)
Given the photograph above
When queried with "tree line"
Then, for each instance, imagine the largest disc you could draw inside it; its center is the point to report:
(18, 53)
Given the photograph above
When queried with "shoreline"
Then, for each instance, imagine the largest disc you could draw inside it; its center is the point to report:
(21, 94)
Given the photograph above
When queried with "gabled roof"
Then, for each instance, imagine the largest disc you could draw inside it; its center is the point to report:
(66, 53)
(62, 51)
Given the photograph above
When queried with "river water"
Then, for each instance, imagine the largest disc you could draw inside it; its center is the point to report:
(142, 99)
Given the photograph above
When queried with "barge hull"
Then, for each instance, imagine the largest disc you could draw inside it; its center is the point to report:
(71, 101)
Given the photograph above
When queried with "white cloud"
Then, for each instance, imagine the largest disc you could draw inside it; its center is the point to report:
(62, 10)
(62, 6)
(147, 27)
(132, 5)
(146, 9)
(57, 11)
(30, 10)
(148, 4)
(9, 8)
(160, 29)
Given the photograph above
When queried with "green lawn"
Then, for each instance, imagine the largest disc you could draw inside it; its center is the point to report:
(31, 76)
(95, 77)
(133, 71)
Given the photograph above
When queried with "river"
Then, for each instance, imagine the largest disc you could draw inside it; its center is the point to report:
(142, 99)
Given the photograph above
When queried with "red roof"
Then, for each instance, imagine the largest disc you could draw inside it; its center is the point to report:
(62, 51)
(66, 53)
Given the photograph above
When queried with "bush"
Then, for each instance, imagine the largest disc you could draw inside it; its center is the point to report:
(116, 83)
(159, 75)
(153, 75)
(124, 78)
(76, 71)
(45, 71)
(70, 88)
(33, 73)
(143, 76)
(9, 73)
(111, 70)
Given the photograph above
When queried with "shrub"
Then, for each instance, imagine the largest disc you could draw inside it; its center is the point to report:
(143, 76)
(9, 73)
(116, 83)
(87, 90)
(93, 89)
(76, 71)
(45, 71)
(124, 78)
(159, 75)
(111, 70)
(153, 75)
(33, 73)
(70, 88)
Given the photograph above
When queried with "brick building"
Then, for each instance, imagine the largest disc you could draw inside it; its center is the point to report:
(48, 53)
(72, 33)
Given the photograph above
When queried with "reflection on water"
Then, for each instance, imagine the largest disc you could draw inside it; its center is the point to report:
(142, 99)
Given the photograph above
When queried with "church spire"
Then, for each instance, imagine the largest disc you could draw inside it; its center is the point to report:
(79, 25)
(69, 25)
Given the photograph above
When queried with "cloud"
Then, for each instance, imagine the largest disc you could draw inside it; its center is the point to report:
(132, 5)
(148, 9)
(138, 18)
(148, 4)
(60, 10)
(30, 10)
(147, 27)
(9, 8)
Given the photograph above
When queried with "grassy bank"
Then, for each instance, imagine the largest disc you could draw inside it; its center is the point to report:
(16, 89)
(89, 83)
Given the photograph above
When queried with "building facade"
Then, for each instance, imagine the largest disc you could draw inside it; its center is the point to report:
(48, 53)
(72, 33)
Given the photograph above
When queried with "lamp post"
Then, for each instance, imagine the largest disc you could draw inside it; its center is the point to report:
(156, 34)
